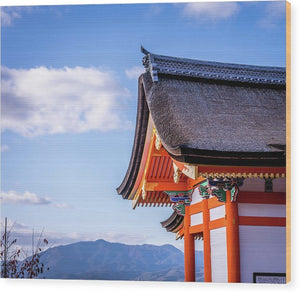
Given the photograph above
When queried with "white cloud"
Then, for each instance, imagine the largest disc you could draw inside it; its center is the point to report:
(134, 72)
(42, 100)
(8, 14)
(275, 11)
(27, 198)
(210, 10)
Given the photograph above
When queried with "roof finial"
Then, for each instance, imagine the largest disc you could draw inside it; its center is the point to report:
(144, 51)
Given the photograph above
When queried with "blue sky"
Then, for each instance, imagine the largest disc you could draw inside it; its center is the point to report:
(69, 95)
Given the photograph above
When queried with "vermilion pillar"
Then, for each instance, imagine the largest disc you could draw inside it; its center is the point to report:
(189, 249)
(206, 242)
(232, 235)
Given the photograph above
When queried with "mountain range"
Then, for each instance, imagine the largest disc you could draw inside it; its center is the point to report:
(103, 260)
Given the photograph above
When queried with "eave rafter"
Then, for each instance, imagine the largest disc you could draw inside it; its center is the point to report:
(163, 173)
(154, 198)
(157, 177)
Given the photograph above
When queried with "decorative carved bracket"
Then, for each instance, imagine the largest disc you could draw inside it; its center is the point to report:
(181, 199)
(190, 171)
(176, 174)
(176, 196)
(217, 187)
(179, 208)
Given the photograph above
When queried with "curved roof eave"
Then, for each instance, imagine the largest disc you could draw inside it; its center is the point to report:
(139, 140)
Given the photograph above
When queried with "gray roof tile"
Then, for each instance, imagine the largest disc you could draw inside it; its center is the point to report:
(165, 65)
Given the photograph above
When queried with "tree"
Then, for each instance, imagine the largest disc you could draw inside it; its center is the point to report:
(12, 266)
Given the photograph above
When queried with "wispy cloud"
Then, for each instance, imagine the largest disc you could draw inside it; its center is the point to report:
(134, 72)
(210, 10)
(274, 13)
(28, 198)
(43, 100)
(23, 234)
(10, 14)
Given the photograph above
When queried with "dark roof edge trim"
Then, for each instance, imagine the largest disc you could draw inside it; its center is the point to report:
(221, 158)
(138, 146)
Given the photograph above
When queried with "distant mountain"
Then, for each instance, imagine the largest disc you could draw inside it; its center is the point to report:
(102, 260)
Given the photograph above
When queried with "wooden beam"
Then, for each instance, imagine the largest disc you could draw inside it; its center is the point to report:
(214, 202)
(196, 229)
(261, 197)
(206, 242)
(232, 239)
(189, 249)
(196, 208)
(165, 186)
(218, 223)
(262, 221)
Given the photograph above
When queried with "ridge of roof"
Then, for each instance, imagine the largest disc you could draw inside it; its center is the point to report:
(191, 68)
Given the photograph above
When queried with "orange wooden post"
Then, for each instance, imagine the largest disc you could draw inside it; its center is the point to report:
(233, 244)
(189, 249)
(206, 242)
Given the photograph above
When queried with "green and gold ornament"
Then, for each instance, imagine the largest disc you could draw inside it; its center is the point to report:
(181, 199)
(218, 187)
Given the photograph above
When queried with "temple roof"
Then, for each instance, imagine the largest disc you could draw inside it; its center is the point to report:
(209, 113)
(211, 109)
(211, 120)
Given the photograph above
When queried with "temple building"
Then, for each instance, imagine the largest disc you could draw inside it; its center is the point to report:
(210, 142)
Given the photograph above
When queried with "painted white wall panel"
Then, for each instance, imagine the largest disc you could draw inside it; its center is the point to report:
(218, 255)
(217, 213)
(196, 196)
(197, 219)
(258, 184)
(261, 210)
(279, 185)
(253, 184)
(262, 249)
